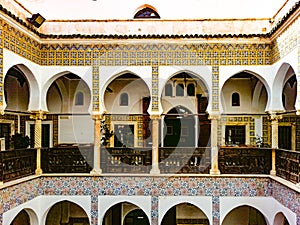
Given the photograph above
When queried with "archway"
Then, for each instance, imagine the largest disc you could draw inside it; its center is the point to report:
(280, 219)
(179, 128)
(189, 91)
(16, 90)
(126, 102)
(184, 213)
(251, 91)
(68, 213)
(125, 213)
(244, 215)
(68, 94)
(21, 219)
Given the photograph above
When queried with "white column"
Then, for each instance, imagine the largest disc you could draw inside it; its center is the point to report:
(214, 144)
(38, 116)
(274, 127)
(162, 126)
(97, 143)
(196, 130)
(155, 144)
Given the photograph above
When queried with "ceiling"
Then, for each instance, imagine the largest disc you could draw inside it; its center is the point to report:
(167, 9)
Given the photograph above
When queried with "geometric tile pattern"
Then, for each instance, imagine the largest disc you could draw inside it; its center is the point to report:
(215, 88)
(15, 195)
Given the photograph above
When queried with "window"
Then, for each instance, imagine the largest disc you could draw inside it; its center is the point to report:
(235, 99)
(79, 98)
(146, 13)
(179, 90)
(235, 135)
(191, 90)
(124, 99)
(168, 90)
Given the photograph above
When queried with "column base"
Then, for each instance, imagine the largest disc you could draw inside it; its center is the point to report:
(214, 172)
(154, 171)
(273, 172)
(96, 172)
(38, 171)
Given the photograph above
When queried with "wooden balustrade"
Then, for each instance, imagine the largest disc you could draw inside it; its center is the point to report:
(126, 160)
(244, 160)
(17, 164)
(184, 160)
(288, 165)
(67, 159)
(79, 159)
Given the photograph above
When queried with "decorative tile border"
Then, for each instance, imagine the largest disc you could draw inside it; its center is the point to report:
(155, 187)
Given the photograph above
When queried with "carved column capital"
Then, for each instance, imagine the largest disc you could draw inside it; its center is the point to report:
(38, 115)
(155, 117)
(274, 117)
(214, 117)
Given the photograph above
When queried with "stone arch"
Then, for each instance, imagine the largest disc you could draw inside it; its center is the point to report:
(281, 219)
(55, 77)
(33, 86)
(110, 73)
(201, 74)
(243, 207)
(65, 209)
(200, 83)
(184, 206)
(283, 74)
(62, 91)
(121, 209)
(259, 86)
(129, 81)
(24, 214)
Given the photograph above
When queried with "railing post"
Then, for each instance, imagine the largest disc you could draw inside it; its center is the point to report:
(274, 143)
(214, 144)
(38, 116)
(155, 142)
(97, 143)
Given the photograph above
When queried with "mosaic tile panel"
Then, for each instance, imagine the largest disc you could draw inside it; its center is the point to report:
(96, 88)
(144, 186)
(286, 42)
(155, 85)
(21, 44)
(1, 63)
(164, 54)
(215, 88)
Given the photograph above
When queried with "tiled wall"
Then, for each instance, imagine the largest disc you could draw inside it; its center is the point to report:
(155, 187)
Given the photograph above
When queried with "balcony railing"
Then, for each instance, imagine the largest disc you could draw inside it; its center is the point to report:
(79, 159)
(184, 160)
(17, 164)
(236, 160)
(68, 159)
(288, 165)
(126, 160)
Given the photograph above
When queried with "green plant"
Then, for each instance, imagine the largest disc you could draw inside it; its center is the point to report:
(106, 134)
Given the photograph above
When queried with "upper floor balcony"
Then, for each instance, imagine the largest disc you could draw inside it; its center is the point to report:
(70, 159)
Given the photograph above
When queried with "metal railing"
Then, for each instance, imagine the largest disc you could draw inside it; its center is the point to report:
(16, 164)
